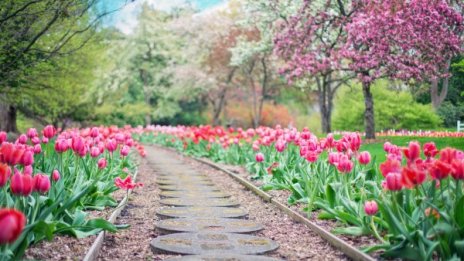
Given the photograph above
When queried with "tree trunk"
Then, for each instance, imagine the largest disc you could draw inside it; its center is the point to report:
(7, 117)
(325, 102)
(369, 122)
(438, 96)
(217, 107)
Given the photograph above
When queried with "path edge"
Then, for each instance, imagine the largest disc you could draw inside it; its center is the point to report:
(94, 250)
(336, 242)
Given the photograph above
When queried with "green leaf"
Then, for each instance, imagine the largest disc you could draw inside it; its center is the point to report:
(44, 229)
(459, 212)
(330, 195)
(354, 231)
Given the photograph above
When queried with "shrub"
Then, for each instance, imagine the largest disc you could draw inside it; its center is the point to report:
(392, 109)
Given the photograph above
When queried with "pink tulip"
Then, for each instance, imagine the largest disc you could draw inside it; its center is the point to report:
(371, 208)
(77, 144)
(56, 175)
(345, 165)
(94, 132)
(364, 158)
(21, 185)
(102, 163)
(28, 158)
(125, 150)
(31, 133)
(94, 152)
(28, 170)
(12, 223)
(49, 131)
(22, 139)
(44, 140)
(3, 137)
(111, 145)
(393, 181)
(41, 183)
(37, 149)
(259, 157)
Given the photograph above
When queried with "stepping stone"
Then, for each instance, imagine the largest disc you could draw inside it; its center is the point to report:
(189, 188)
(189, 202)
(212, 243)
(230, 257)
(191, 212)
(218, 225)
(193, 194)
(180, 182)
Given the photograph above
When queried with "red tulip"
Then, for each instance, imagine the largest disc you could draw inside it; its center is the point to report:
(21, 185)
(430, 150)
(413, 151)
(412, 176)
(56, 175)
(371, 208)
(440, 170)
(41, 183)
(389, 166)
(10, 153)
(126, 183)
(259, 157)
(49, 131)
(393, 181)
(448, 155)
(364, 157)
(5, 172)
(12, 223)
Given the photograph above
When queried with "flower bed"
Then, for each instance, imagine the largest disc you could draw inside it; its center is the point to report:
(50, 183)
(411, 204)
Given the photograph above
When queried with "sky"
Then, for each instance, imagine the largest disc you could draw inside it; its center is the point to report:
(126, 19)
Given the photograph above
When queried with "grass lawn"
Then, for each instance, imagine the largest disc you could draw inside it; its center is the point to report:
(377, 152)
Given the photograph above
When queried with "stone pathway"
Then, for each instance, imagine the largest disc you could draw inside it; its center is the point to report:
(202, 221)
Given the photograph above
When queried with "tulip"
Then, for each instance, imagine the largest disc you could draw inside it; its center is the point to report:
(126, 183)
(457, 170)
(35, 140)
(28, 158)
(22, 139)
(413, 151)
(119, 137)
(44, 140)
(3, 137)
(440, 170)
(448, 155)
(12, 223)
(31, 133)
(102, 163)
(364, 158)
(393, 181)
(125, 150)
(37, 149)
(259, 157)
(61, 145)
(5, 172)
(56, 175)
(280, 145)
(311, 156)
(94, 152)
(94, 132)
(430, 150)
(10, 153)
(389, 166)
(371, 208)
(77, 144)
(412, 176)
(49, 131)
(111, 145)
(41, 183)
(28, 170)
(345, 165)
(334, 157)
(21, 185)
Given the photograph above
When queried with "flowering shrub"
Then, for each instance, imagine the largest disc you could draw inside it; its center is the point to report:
(411, 205)
(48, 182)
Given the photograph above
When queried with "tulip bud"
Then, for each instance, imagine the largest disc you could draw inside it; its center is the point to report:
(125, 150)
(56, 175)
(22, 139)
(12, 223)
(44, 140)
(21, 185)
(102, 163)
(345, 165)
(28, 158)
(94, 132)
(259, 157)
(371, 208)
(35, 140)
(111, 145)
(37, 149)
(364, 158)
(31, 133)
(393, 181)
(94, 152)
(41, 183)
(77, 144)
(49, 131)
